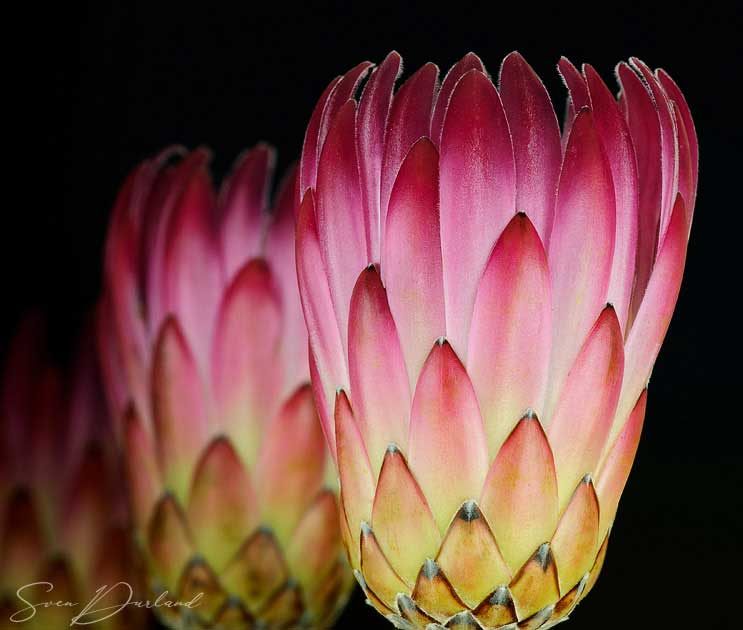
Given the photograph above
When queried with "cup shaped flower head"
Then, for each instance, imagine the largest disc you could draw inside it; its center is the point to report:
(206, 360)
(485, 300)
(64, 523)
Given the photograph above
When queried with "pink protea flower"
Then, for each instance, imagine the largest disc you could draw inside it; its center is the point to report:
(63, 513)
(205, 353)
(485, 300)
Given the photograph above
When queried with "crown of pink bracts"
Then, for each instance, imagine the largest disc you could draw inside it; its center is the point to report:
(546, 265)
(60, 505)
(205, 356)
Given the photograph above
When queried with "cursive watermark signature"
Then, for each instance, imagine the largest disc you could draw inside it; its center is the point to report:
(107, 602)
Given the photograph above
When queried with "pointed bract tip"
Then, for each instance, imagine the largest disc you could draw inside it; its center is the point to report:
(366, 529)
(541, 616)
(307, 201)
(441, 341)
(529, 414)
(265, 530)
(360, 579)
(587, 479)
(404, 602)
(432, 66)
(609, 305)
(339, 391)
(544, 556)
(617, 66)
(371, 267)
(171, 152)
(501, 596)
(563, 61)
(393, 449)
(430, 569)
(196, 560)
(462, 619)
(291, 583)
(220, 442)
(469, 511)
(398, 622)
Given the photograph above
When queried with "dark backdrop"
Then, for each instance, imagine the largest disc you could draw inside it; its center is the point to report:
(99, 87)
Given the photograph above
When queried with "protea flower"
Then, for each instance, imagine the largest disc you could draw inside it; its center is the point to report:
(63, 517)
(485, 300)
(206, 354)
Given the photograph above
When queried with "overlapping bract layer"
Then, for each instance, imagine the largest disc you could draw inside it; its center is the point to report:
(63, 516)
(206, 358)
(485, 300)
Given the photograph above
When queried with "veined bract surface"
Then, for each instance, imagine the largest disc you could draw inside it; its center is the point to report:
(485, 299)
(205, 354)
(64, 522)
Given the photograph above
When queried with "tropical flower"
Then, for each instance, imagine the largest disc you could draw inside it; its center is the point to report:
(205, 354)
(485, 300)
(63, 514)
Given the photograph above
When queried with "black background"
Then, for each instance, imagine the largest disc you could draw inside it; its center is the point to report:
(98, 87)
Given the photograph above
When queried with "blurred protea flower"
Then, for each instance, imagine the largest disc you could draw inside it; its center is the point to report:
(485, 300)
(206, 360)
(63, 516)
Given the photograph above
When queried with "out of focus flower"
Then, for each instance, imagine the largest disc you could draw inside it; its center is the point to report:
(485, 300)
(63, 512)
(206, 362)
